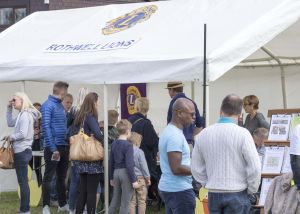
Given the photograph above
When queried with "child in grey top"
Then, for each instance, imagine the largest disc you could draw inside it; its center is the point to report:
(143, 176)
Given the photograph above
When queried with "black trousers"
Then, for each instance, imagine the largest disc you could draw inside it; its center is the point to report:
(295, 165)
(61, 168)
(87, 193)
(35, 162)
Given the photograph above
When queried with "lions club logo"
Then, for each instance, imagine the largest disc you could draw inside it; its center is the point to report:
(129, 20)
(132, 94)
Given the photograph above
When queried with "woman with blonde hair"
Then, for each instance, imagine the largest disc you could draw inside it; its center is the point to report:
(143, 126)
(21, 139)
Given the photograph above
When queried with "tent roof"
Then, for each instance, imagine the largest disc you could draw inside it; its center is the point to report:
(285, 46)
(163, 42)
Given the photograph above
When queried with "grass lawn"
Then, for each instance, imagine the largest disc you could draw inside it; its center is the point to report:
(9, 204)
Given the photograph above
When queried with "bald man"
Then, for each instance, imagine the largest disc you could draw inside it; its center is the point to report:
(175, 185)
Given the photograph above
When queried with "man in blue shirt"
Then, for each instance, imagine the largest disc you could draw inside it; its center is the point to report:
(175, 185)
(176, 91)
(56, 149)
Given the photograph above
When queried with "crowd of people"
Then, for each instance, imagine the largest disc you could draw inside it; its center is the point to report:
(225, 158)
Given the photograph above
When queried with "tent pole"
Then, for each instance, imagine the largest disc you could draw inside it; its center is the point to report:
(205, 101)
(282, 73)
(23, 87)
(193, 90)
(106, 180)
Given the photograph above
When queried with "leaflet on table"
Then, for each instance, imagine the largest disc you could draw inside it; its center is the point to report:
(295, 120)
(280, 125)
(273, 160)
(286, 167)
(266, 183)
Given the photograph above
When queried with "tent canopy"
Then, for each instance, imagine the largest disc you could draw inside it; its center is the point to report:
(143, 42)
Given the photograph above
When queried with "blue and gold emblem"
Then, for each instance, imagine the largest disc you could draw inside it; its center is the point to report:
(132, 94)
(129, 20)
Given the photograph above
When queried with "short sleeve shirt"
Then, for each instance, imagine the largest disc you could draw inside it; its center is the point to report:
(295, 141)
(173, 140)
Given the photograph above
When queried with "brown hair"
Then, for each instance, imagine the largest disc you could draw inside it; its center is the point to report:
(112, 117)
(58, 86)
(69, 95)
(123, 126)
(88, 107)
(251, 99)
(135, 139)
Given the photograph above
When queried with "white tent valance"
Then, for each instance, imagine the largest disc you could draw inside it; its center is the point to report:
(158, 41)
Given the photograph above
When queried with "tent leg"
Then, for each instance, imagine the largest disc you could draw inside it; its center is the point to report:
(23, 87)
(207, 105)
(282, 72)
(283, 86)
(106, 180)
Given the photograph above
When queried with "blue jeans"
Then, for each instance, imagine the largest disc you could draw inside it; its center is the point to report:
(228, 203)
(183, 202)
(21, 164)
(53, 193)
(295, 165)
(74, 185)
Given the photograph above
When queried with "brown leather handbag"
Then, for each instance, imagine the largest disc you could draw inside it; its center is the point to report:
(6, 155)
(85, 148)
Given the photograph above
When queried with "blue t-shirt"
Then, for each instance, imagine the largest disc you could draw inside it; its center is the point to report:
(173, 140)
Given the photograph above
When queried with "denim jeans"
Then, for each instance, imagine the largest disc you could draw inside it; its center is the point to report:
(295, 165)
(60, 167)
(21, 164)
(53, 193)
(74, 185)
(183, 202)
(228, 203)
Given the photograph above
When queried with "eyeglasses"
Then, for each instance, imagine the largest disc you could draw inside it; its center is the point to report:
(192, 114)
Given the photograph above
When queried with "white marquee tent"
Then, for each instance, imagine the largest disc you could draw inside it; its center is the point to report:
(163, 42)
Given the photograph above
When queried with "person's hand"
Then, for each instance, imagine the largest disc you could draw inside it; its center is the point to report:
(135, 185)
(112, 183)
(101, 124)
(55, 156)
(148, 182)
(6, 138)
(9, 104)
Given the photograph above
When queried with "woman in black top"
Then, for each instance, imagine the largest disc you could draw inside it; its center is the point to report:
(89, 170)
(254, 118)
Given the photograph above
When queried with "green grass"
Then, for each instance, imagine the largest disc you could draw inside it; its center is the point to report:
(9, 204)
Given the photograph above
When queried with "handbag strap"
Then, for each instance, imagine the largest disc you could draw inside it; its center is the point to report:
(9, 144)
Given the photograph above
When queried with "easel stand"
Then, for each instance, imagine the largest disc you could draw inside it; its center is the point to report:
(276, 143)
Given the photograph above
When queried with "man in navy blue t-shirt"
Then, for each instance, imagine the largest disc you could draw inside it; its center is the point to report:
(176, 91)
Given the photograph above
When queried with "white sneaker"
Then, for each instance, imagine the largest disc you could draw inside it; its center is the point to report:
(24, 212)
(46, 210)
(72, 211)
(64, 208)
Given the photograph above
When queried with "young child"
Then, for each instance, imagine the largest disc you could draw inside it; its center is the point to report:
(143, 176)
(121, 170)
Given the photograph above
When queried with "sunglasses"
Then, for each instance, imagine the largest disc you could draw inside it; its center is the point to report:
(192, 114)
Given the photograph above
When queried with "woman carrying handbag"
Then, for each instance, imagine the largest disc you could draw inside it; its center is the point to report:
(22, 138)
(87, 118)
